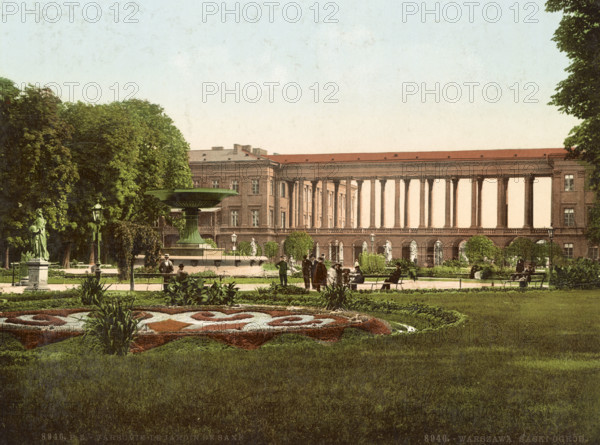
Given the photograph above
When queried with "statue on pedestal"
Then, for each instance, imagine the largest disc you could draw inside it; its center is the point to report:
(39, 241)
(253, 247)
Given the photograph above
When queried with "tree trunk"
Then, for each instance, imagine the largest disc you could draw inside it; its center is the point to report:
(92, 254)
(131, 278)
(6, 258)
(66, 262)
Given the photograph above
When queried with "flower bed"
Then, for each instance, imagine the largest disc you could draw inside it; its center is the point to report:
(244, 327)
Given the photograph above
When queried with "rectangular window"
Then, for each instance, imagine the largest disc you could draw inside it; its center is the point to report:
(234, 218)
(271, 219)
(255, 188)
(235, 185)
(283, 189)
(569, 217)
(254, 218)
(568, 250)
(215, 184)
(272, 187)
(593, 253)
(283, 220)
(569, 183)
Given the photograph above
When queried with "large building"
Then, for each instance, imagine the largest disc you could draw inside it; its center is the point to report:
(353, 202)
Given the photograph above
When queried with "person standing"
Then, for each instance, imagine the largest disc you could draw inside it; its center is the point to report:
(320, 274)
(283, 269)
(338, 279)
(166, 269)
(306, 271)
(313, 268)
(181, 274)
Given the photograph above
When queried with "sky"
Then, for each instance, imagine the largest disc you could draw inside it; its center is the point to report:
(305, 77)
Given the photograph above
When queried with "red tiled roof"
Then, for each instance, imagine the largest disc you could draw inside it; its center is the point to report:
(463, 155)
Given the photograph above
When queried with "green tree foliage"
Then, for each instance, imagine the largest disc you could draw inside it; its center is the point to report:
(127, 240)
(480, 248)
(244, 248)
(271, 249)
(579, 94)
(36, 168)
(526, 249)
(582, 273)
(298, 244)
(372, 263)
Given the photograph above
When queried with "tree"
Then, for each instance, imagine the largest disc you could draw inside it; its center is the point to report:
(480, 248)
(298, 244)
(526, 249)
(36, 167)
(127, 240)
(578, 35)
(271, 249)
(372, 263)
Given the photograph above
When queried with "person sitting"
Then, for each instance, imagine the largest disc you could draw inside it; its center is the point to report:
(181, 274)
(393, 278)
(357, 279)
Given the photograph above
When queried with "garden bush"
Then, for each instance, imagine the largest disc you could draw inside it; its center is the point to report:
(582, 273)
(91, 290)
(336, 297)
(276, 289)
(192, 291)
(112, 327)
(372, 263)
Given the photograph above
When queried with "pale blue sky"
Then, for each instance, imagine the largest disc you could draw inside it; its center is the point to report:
(370, 56)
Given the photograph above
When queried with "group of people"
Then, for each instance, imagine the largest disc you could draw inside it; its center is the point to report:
(167, 267)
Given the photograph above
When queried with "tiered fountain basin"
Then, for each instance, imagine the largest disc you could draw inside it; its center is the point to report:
(246, 327)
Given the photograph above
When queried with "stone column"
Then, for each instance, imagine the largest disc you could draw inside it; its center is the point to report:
(300, 224)
(313, 216)
(277, 191)
(406, 203)
(383, 182)
(448, 220)
(502, 183)
(474, 212)
(455, 202)
(324, 205)
(336, 204)
(372, 226)
(359, 184)
(430, 203)
(479, 206)
(422, 204)
(397, 203)
(292, 189)
(528, 224)
(557, 186)
(348, 203)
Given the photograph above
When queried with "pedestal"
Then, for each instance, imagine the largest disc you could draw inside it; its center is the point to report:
(38, 275)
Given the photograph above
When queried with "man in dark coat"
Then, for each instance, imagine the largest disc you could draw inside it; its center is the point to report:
(306, 271)
(166, 268)
(394, 278)
(320, 275)
(283, 269)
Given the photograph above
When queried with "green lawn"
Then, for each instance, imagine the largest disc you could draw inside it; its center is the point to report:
(524, 364)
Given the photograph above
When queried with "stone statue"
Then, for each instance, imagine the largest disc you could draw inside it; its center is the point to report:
(365, 247)
(39, 241)
(253, 247)
(388, 251)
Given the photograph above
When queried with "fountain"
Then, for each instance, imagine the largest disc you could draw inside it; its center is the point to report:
(190, 243)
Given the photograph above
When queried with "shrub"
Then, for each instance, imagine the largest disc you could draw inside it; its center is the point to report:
(219, 294)
(298, 244)
(112, 326)
(372, 263)
(275, 289)
(582, 273)
(244, 248)
(91, 290)
(271, 249)
(192, 291)
(336, 297)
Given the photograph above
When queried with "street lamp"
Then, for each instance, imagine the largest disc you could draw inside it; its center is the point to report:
(97, 218)
(372, 243)
(551, 236)
(233, 240)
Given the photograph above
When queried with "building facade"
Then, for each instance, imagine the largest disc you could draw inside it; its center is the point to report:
(326, 196)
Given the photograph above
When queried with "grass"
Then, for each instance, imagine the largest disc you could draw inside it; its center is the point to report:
(523, 363)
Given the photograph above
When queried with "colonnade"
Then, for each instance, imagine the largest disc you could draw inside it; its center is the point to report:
(327, 194)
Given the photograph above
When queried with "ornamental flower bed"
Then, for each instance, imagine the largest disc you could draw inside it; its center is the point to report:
(244, 327)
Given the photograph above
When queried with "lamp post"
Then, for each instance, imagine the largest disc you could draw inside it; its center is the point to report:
(233, 240)
(551, 236)
(97, 218)
(372, 243)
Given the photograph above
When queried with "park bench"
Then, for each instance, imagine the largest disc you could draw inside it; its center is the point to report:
(379, 280)
(537, 280)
